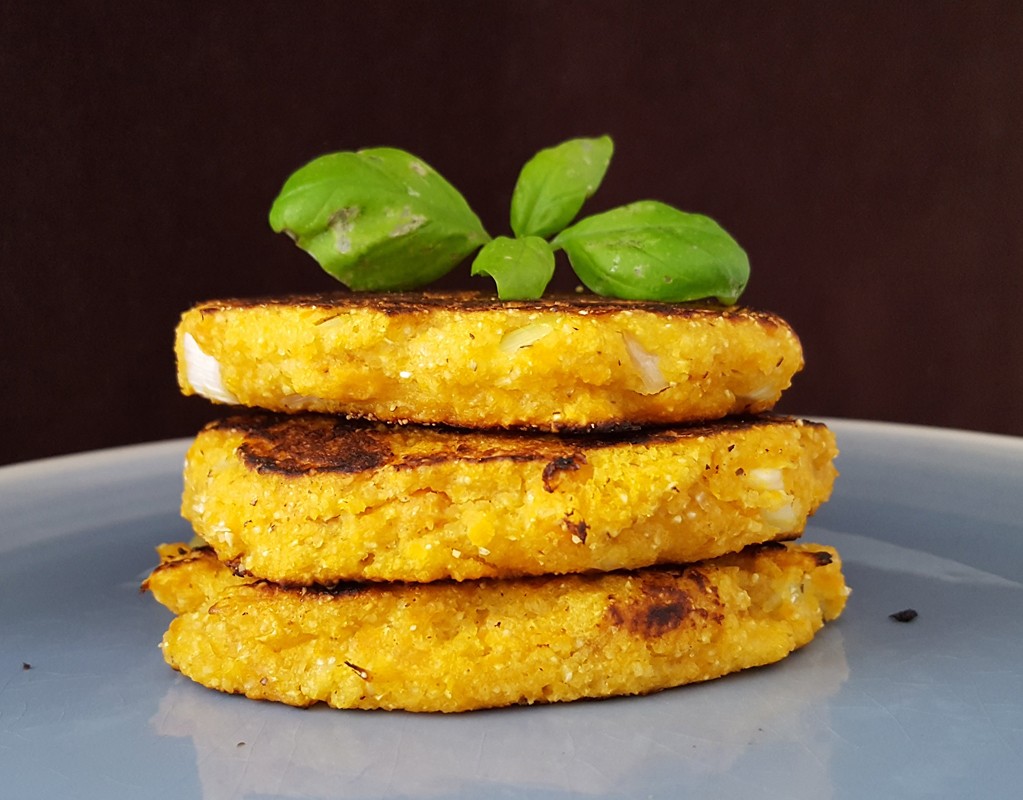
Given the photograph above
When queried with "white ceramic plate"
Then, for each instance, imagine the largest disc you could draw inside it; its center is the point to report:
(925, 519)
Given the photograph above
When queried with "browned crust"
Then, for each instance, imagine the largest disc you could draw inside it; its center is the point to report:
(301, 444)
(660, 598)
(173, 556)
(395, 303)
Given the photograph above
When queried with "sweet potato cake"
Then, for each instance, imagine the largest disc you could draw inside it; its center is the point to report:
(450, 646)
(310, 498)
(471, 360)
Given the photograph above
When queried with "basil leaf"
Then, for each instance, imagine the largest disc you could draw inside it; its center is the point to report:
(521, 268)
(377, 219)
(651, 251)
(554, 184)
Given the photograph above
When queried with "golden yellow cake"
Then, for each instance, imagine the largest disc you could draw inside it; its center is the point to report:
(301, 499)
(451, 646)
(471, 360)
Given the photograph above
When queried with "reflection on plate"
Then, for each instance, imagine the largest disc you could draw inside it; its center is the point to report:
(927, 519)
(602, 748)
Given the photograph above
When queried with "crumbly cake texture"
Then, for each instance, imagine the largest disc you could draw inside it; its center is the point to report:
(303, 499)
(451, 646)
(468, 360)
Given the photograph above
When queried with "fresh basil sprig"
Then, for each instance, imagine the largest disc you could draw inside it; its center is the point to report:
(377, 219)
(554, 184)
(651, 251)
(382, 219)
(550, 190)
(520, 267)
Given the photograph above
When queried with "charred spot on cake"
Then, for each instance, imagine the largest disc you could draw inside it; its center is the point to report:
(234, 565)
(308, 443)
(697, 576)
(660, 605)
(551, 472)
(577, 529)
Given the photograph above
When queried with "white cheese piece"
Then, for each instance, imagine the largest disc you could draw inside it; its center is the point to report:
(767, 479)
(760, 394)
(523, 337)
(786, 517)
(203, 373)
(647, 364)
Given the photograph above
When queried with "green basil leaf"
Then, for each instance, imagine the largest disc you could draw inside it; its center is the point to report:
(651, 251)
(521, 268)
(554, 184)
(377, 219)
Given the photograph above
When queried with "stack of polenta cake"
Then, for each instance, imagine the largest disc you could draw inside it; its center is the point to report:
(445, 502)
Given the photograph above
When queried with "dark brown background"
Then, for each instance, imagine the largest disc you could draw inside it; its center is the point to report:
(868, 156)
